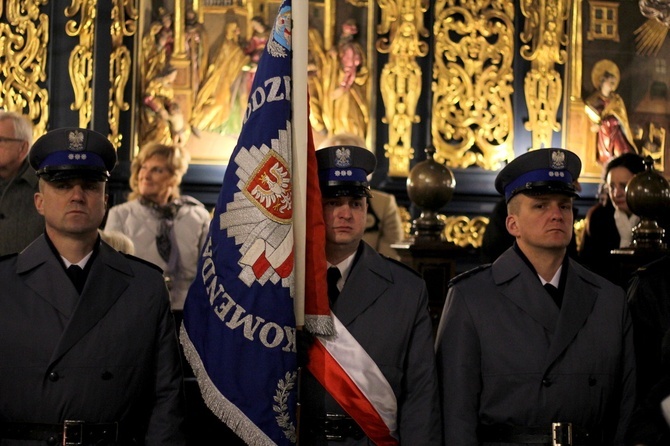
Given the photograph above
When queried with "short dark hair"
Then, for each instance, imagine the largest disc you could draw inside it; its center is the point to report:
(631, 161)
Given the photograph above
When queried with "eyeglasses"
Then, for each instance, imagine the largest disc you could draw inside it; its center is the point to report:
(4, 140)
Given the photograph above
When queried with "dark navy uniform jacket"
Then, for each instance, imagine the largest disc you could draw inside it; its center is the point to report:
(108, 355)
(506, 354)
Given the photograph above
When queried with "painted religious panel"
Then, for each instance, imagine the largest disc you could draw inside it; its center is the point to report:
(618, 98)
(198, 59)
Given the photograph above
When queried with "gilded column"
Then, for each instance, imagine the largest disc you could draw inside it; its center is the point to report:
(124, 23)
(400, 81)
(544, 39)
(80, 64)
(472, 117)
(24, 35)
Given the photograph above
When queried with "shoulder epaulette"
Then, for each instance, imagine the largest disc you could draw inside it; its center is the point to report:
(398, 262)
(656, 265)
(468, 273)
(146, 262)
(8, 256)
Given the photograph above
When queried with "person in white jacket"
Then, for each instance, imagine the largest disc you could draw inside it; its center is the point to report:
(167, 228)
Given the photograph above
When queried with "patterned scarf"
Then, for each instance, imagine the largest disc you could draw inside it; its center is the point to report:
(165, 239)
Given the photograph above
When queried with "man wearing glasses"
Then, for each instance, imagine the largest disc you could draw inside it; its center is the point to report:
(20, 223)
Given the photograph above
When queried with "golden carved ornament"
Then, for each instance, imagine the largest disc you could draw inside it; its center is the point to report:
(23, 56)
(472, 118)
(463, 231)
(400, 82)
(544, 39)
(458, 229)
(124, 23)
(80, 64)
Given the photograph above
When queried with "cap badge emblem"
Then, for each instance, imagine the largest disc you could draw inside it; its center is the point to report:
(343, 157)
(557, 160)
(76, 139)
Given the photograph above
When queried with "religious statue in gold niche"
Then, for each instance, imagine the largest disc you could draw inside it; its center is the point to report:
(315, 84)
(343, 80)
(197, 48)
(161, 118)
(222, 97)
(606, 109)
(254, 47)
(157, 47)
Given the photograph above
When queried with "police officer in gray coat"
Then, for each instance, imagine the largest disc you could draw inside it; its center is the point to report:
(87, 341)
(534, 345)
(382, 306)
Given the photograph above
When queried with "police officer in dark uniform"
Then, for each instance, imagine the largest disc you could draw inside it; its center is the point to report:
(381, 312)
(87, 341)
(649, 299)
(534, 345)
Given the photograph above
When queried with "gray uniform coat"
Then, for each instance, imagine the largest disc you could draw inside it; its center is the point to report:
(108, 355)
(506, 354)
(384, 305)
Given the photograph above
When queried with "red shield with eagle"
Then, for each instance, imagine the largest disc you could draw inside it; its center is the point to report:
(270, 187)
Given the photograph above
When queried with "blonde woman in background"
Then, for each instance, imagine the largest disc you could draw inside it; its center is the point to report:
(167, 228)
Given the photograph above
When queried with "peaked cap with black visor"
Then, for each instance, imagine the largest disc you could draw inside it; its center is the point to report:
(540, 172)
(71, 152)
(344, 170)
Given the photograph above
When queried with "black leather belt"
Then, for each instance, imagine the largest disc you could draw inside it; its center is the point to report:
(70, 433)
(334, 427)
(556, 434)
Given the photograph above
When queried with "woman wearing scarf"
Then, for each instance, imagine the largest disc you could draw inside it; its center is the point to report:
(167, 228)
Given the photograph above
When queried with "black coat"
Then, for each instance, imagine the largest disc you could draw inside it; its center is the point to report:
(384, 305)
(109, 355)
(506, 354)
(600, 238)
(649, 299)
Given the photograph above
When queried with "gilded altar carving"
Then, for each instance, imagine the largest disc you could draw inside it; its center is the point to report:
(400, 82)
(544, 39)
(463, 231)
(25, 32)
(472, 118)
(80, 64)
(124, 23)
(338, 81)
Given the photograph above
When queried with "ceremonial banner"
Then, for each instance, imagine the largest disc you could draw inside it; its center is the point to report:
(239, 324)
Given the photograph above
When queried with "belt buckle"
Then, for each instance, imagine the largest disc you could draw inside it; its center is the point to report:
(73, 433)
(561, 434)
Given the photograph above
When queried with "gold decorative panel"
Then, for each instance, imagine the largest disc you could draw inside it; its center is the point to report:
(401, 76)
(544, 39)
(24, 33)
(463, 231)
(80, 64)
(124, 23)
(472, 118)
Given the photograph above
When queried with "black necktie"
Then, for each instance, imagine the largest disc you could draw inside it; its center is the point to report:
(333, 276)
(77, 276)
(554, 293)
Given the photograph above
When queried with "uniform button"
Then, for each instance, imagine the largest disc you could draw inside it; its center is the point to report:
(546, 382)
(592, 381)
(106, 375)
(53, 377)
(52, 441)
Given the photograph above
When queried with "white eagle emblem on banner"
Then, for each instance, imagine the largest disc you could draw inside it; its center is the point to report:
(260, 216)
